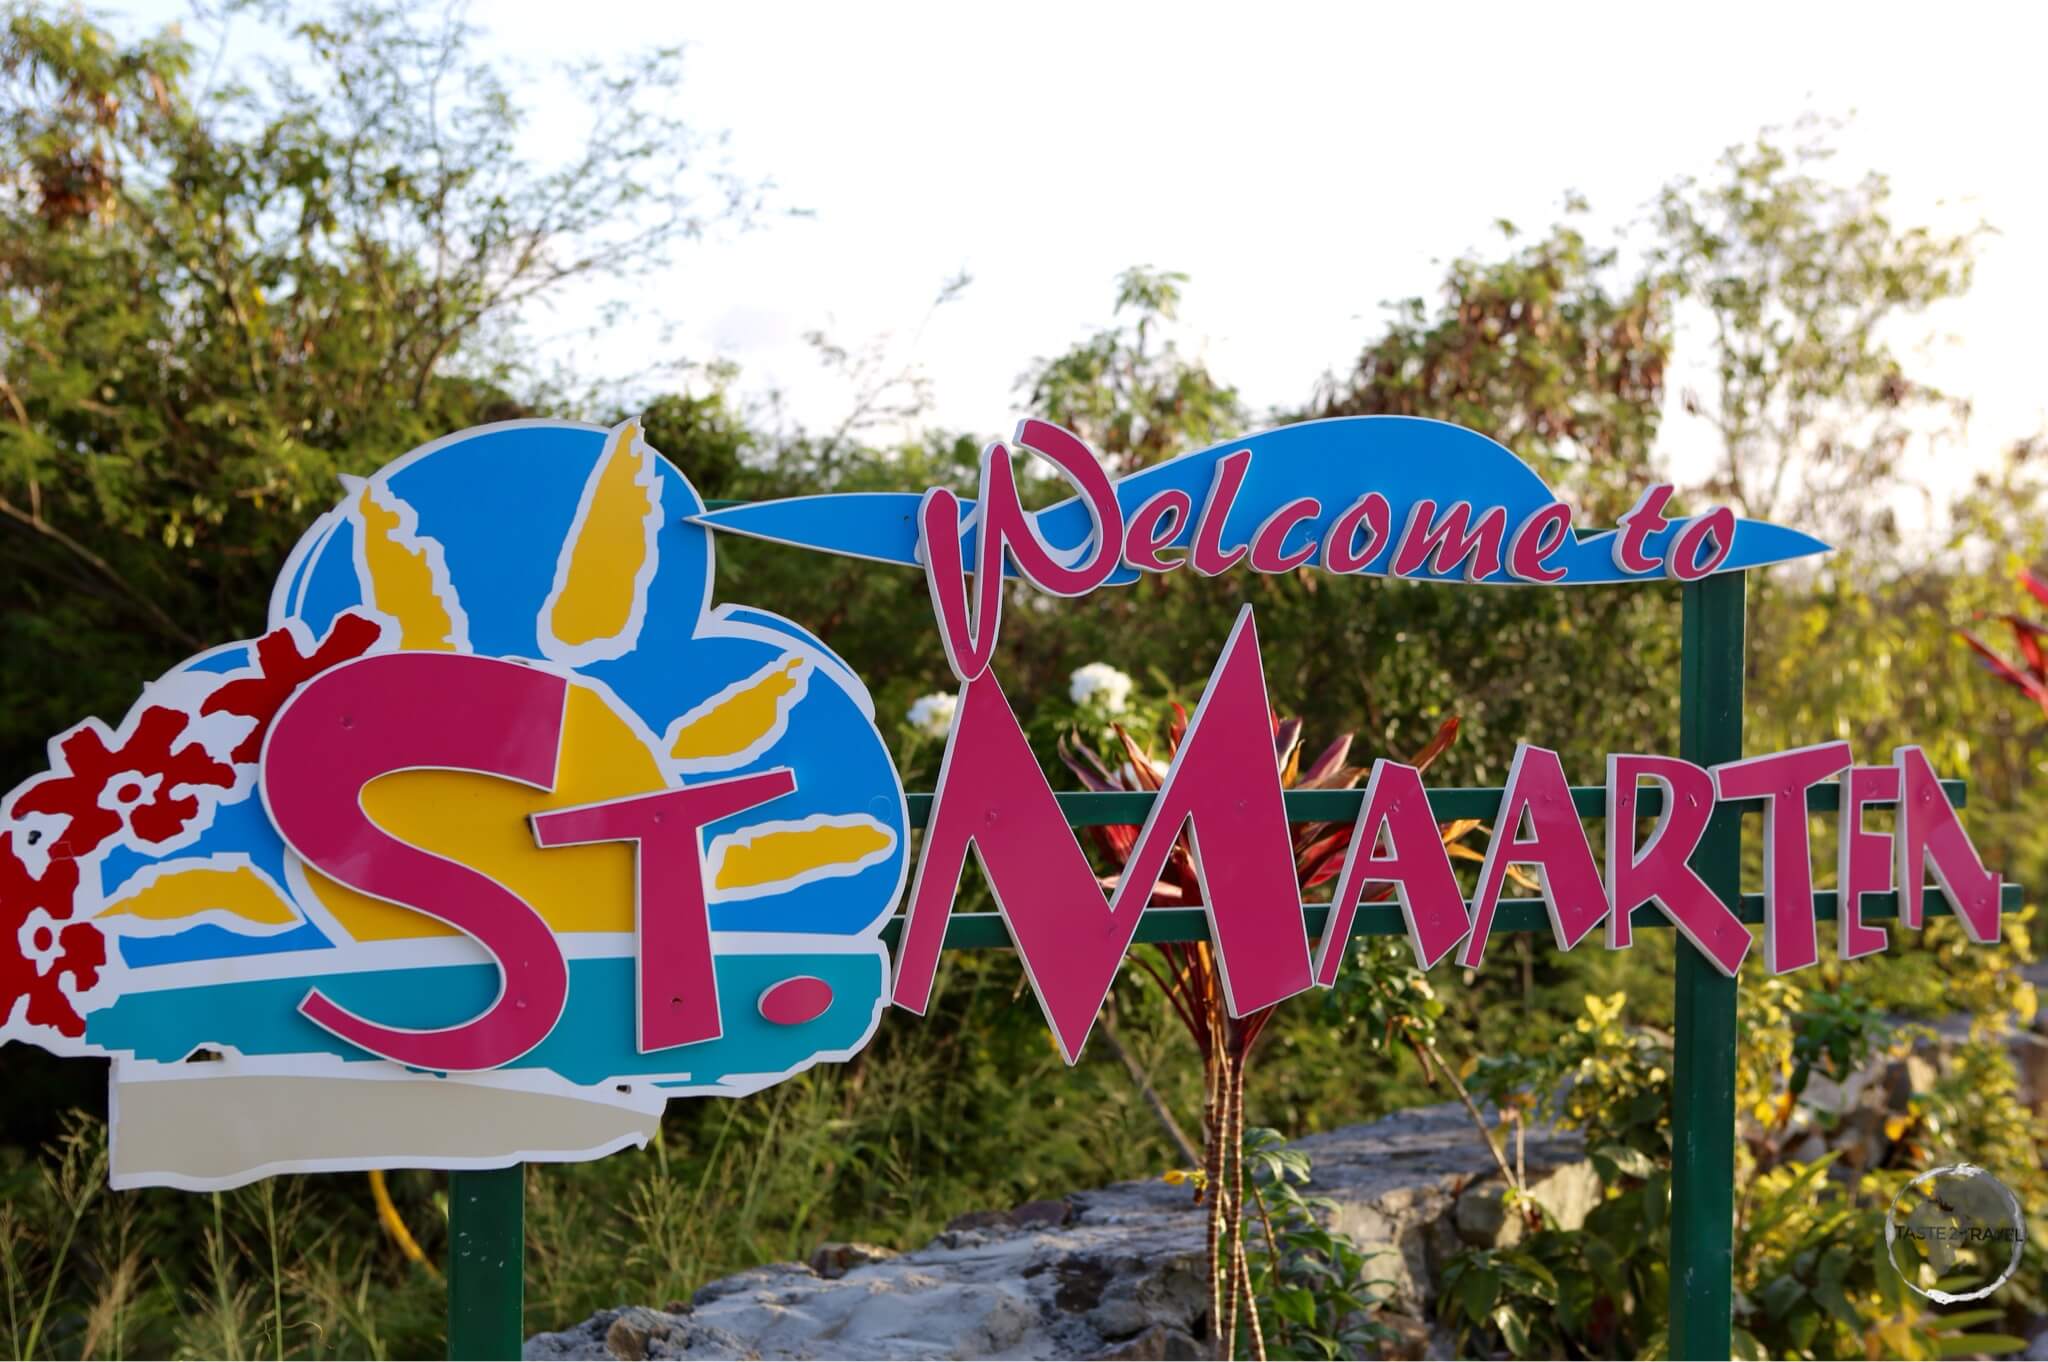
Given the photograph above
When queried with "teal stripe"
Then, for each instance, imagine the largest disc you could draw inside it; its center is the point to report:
(594, 1042)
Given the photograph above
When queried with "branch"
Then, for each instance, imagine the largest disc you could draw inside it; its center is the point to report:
(1427, 1053)
(101, 566)
(1150, 1094)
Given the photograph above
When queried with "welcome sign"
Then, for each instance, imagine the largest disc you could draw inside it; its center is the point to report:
(505, 832)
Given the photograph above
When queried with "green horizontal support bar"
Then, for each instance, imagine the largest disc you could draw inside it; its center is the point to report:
(981, 931)
(1089, 809)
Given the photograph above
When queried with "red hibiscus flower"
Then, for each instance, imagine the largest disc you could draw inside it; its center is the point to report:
(283, 669)
(132, 785)
(38, 947)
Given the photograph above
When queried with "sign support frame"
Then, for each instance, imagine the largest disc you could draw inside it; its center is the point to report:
(1712, 656)
(487, 1262)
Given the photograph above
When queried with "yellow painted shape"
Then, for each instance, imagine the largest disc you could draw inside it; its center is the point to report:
(401, 580)
(481, 822)
(239, 891)
(599, 588)
(786, 853)
(738, 721)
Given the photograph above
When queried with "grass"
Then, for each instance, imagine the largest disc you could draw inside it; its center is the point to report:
(967, 1108)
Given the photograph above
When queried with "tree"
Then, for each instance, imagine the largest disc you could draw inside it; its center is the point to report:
(1800, 282)
(1543, 350)
(1127, 390)
(703, 434)
(212, 301)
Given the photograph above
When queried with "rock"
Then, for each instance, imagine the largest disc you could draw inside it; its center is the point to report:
(833, 1260)
(1160, 1343)
(1569, 1192)
(634, 1333)
(769, 1277)
(1411, 1339)
(627, 1338)
(1119, 1271)
(1807, 1148)
(1041, 1215)
(1482, 1219)
(1081, 1282)
(1862, 1141)
(2032, 1049)
(1032, 1215)
(1905, 1077)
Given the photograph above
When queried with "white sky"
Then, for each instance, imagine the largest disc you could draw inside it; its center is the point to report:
(1301, 163)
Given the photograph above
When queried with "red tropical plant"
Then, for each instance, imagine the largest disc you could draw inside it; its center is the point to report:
(2030, 672)
(1186, 971)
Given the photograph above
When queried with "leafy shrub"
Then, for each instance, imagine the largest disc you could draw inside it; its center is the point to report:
(1812, 1277)
(1314, 1298)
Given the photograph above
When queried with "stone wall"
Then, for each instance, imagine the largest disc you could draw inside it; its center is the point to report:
(1118, 1272)
(1114, 1272)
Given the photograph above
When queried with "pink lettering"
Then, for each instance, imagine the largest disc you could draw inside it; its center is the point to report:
(677, 983)
(1415, 863)
(1716, 530)
(407, 711)
(1444, 542)
(1542, 534)
(1340, 550)
(1791, 939)
(1269, 544)
(993, 796)
(1927, 835)
(1638, 523)
(1863, 860)
(1209, 556)
(1538, 794)
(1008, 530)
(1658, 871)
(1154, 526)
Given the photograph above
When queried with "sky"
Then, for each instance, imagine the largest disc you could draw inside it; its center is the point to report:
(1301, 163)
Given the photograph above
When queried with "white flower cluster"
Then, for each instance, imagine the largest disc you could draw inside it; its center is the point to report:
(932, 714)
(1100, 685)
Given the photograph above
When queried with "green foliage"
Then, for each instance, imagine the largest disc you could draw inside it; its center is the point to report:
(216, 297)
(1836, 1033)
(1381, 993)
(1599, 1291)
(1560, 1294)
(1602, 1076)
(1814, 1275)
(1811, 1273)
(272, 1269)
(1813, 1279)
(1797, 277)
(702, 434)
(919, 1128)
(1131, 395)
(1547, 350)
(1314, 1298)
(1973, 1114)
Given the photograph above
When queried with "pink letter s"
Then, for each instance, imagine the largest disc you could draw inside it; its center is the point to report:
(402, 712)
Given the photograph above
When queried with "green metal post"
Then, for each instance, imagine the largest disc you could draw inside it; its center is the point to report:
(1703, 1073)
(487, 1263)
